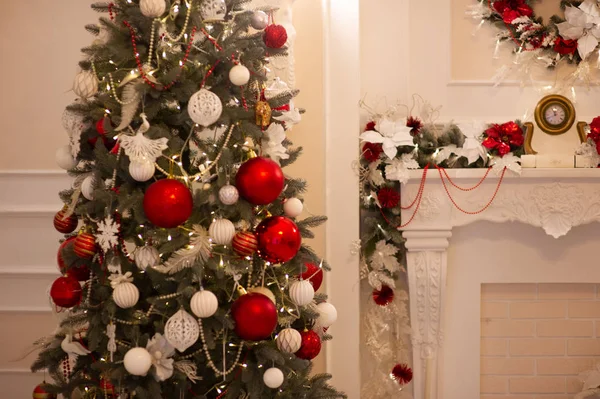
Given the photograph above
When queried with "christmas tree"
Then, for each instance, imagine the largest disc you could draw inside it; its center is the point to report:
(187, 276)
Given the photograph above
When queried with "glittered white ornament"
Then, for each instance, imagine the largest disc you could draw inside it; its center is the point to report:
(137, 361)
(204, 304)
(293, 207)
(302, 292)
(153, 8)
(86, 84)
(259, 20)
(64, 158)
(289, 340)
(213, 10)
(88, 186)
(229, 194)
(273, 378)
(239, 75)
(205, 107)
(182, 330)
(126, 295)
(146, 256)
(265, 291)
(221, 231)
(327, 314)
(142, 170)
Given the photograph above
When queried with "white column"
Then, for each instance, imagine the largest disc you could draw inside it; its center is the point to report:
(426, 263)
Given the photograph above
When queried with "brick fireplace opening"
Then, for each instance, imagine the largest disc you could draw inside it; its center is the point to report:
(537, 338)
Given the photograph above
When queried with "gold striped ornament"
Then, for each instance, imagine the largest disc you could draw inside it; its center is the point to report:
(85, 245)
(64, 224)
(245, 243)
(40, 393)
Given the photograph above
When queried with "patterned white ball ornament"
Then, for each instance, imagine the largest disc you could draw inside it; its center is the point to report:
(205, 107)
(289, 340)
(293, 207)
(327, 314)
(182, 330)
(239, 75)
(146, 256)
(126, 295)
(213, 10)
(88, 186)
(265, 291)
(137, 361)
(302, 292)
(142, 170)
(259, 20)
(85, 84)
(273, 378)
(64, 158)
(204, 304)
(229, 194)
(153, 8)
(221, 231)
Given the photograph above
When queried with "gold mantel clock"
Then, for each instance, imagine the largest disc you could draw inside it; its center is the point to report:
(554, 115)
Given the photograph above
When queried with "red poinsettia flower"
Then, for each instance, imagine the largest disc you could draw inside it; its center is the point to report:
(594, 133)
(372, 151)
(565, 47)
(512, 9)
(503, 138)
(415, 124)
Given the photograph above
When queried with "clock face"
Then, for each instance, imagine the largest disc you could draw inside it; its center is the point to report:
(555, 114)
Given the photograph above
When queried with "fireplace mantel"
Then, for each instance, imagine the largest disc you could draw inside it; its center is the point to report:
(555, 200)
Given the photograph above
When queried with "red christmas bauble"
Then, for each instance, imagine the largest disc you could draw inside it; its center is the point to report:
(40, 393)
(314, 274)
(66, 292)
(85, 245)
(260, 181)
(311, 345)
(100, 127)
(278, 239)
(168, 203)
(245, 243)
(62, 266)
(384, 296)
(79, 272)
(255, 317)
(65, 225)
(275, 36)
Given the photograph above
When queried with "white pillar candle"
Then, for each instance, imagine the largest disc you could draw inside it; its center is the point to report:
(555, 161)
(528, 161)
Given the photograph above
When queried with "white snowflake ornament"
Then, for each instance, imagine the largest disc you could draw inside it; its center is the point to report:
(107, 234)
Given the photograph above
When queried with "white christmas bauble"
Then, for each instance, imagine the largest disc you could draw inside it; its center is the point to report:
(204, 304)
(205, 107)
(153, 8)
(273, 378)
(289, 340)
(146, 256)
(221, 231)
(86, 84)
(64, 158)
(229, 194)
(88, 186)
(265, 291)
(293, 207)
(142, 170)
(213, 10)
(137, 361)
(126, 295)
(182, 330)
(302, 292)
(239, 75)
(327, 314)
(259, 20)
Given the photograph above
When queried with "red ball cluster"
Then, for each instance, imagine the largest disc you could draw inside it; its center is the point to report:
(402, 374)
(384, 296)
(372, 151)
(388, 197)
(275, 36)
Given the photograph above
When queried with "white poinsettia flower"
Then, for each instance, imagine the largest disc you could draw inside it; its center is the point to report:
(390, 134)
(582, 24)
(384, 257)
(508, 161)
(162, 357)
(399, 168)
(472, 148)
(271, 144)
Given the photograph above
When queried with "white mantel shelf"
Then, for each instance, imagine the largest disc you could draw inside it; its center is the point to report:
(555, 200)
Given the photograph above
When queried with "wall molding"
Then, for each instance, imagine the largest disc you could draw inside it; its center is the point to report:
(18, 371)
(27, 271)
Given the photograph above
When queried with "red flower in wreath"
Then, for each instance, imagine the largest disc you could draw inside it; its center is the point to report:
(565, 47)
(372, 151)
(504, 138)
(415, 124)
(370, 126)
(402, 374)
(388, 197)
(512, 9)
